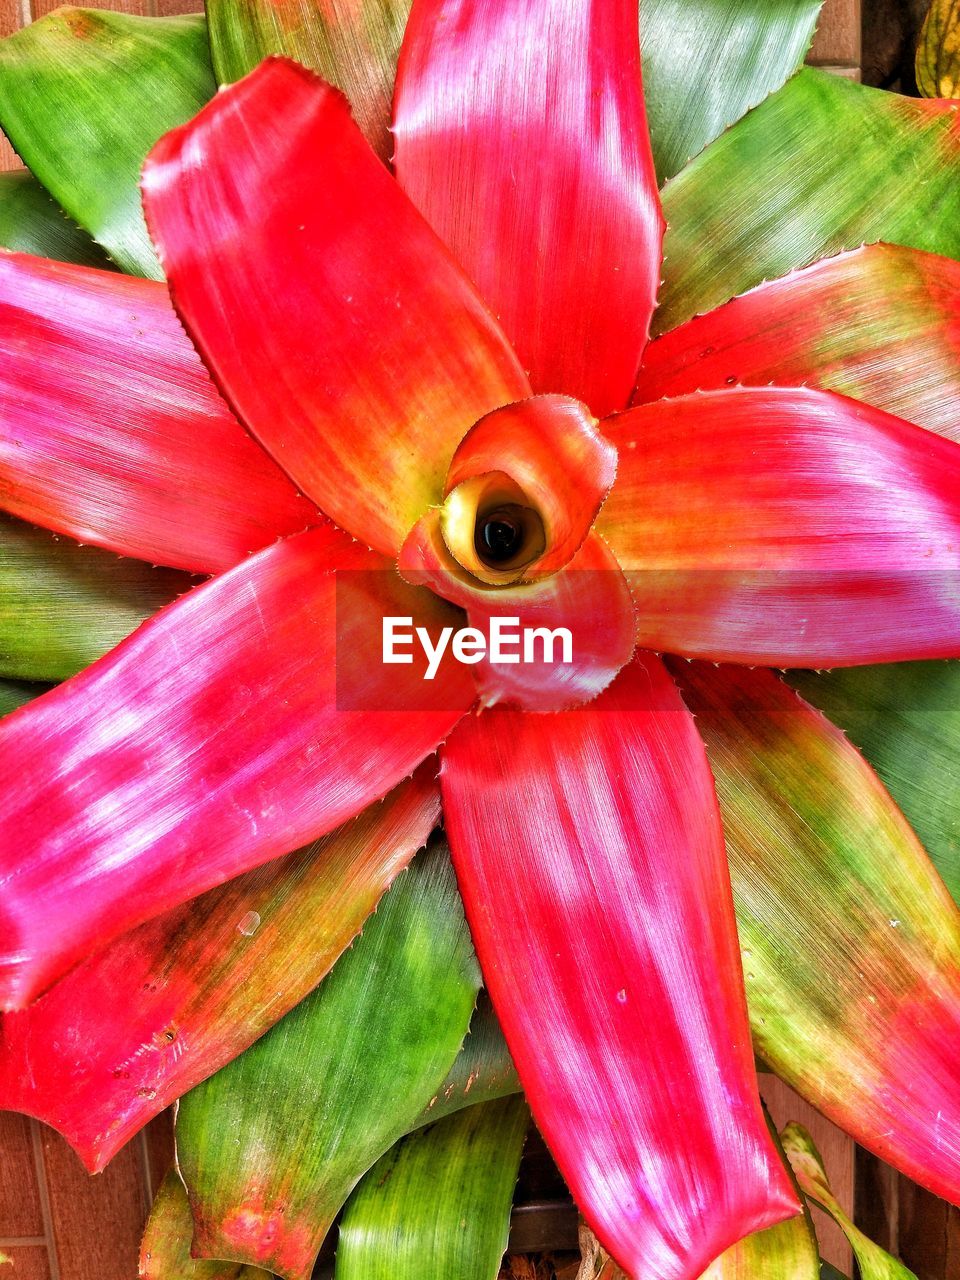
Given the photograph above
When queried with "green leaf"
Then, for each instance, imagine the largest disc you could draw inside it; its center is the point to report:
(874, 1263)
(905, 718)
(62, 605)
(482, 1070)
(165, 1248)
(938, 52)
(438, 1204)
(353, 44)
(827, 1272)
(17, 693)
(30, 222)
(780, 189)
(272, 1145)
(849, 938)
(84, 95)
(705, 64)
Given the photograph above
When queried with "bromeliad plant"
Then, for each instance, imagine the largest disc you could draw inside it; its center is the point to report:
(417, 397)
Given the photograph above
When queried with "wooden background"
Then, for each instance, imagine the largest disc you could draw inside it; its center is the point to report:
(57, 1223)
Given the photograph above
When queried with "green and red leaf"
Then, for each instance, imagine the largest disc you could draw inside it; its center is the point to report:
(271, 1146)
(165, 1249)
(905, 718)
(873, 1263)
(878, 324)
(62, 606)
(353, 44)
(208, 743)
(777, 192)
(787, 528)
(850, 940)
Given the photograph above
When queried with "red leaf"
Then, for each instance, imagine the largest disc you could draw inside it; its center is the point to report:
(521, 134)
(786, 528)
(136, 1026)
(340, 328)
(112, 431)
(590, 857)
(208, 742)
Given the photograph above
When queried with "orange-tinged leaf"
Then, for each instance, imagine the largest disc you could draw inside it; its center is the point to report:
(165, 1249)
(382, 354)
(550, 449)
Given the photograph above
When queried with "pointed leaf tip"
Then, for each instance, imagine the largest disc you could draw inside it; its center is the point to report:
(705, 65)
(353, 44)
(776, 192)
(873, 1263)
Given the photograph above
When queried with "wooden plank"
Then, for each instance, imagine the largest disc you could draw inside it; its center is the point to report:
(29, 1262)
(878, 1201)
(838, 1158)
(20, 1211)
(12, 15)
(98, 1220)
(157, 1140)
(929, 1233)
(168, 8)
(838, 40)
(41, 7)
